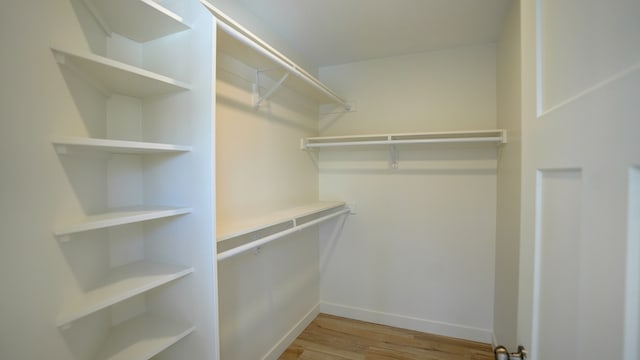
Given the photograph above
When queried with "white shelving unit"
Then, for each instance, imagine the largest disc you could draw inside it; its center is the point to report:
(122, 283)
(264, 229)
(243, 45)
(122, 110)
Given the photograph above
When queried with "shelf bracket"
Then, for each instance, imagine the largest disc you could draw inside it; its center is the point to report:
(64, 238)
(61, 149)
(257, 99)
(393, 152)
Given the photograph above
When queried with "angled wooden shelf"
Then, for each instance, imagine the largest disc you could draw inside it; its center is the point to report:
(64, 144)
(116, 217)
(114, 76)
(122, 283)
(124, 17)
(141, 338)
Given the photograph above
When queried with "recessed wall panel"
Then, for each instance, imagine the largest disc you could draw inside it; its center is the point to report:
(558, 263)
(632, 310)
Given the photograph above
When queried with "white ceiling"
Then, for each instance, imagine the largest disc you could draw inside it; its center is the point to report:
(330, 32)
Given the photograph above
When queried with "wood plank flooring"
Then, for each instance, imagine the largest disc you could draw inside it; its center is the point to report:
(334, 338)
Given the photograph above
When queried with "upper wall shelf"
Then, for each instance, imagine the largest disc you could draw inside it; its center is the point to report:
(64, 144)
(240, 43)
(113, 76)
(481, 136)
(496, 137)
(124, 17)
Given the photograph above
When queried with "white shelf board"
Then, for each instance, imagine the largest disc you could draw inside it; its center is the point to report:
(477, 136)
(116, 146)
(246, 226)
(139, 20)
(239, 43)
(141, 338)
(122, 283)
(118, 77)
(117, 217)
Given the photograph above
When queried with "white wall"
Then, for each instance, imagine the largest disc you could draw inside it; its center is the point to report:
(509, 161)
(30, 260)
(260, 169)
(420, 251)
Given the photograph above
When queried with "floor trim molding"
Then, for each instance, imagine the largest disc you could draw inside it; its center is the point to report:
(282, 345)
(411, 323)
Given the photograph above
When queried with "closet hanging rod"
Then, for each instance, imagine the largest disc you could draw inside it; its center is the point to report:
(246, 37)
(399, 142)
(267, 239)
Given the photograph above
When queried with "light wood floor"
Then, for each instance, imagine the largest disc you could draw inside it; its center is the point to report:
(331, 337)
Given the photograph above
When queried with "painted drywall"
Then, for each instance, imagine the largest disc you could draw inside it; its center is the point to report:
(261, 169)
(509, 164)
(419, 253)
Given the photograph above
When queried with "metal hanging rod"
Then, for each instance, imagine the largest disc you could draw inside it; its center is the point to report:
(259, 242)
(246, 37)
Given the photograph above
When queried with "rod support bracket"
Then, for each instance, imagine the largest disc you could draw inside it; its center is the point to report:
(257, 99)
(393, 150)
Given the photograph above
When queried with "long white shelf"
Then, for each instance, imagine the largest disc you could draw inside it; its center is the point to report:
(63, 144)
(287, 222)
(122, 283)
(241, 44)
(141, 338)
(114, 76)
(117, 217)
(124, 17)
(480, 136)
(226, 231)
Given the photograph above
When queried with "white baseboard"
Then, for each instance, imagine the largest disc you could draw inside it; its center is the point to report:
(411, 323)
(282, 345)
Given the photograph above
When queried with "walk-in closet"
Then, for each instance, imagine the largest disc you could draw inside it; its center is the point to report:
(402, 150)
(205, 179)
